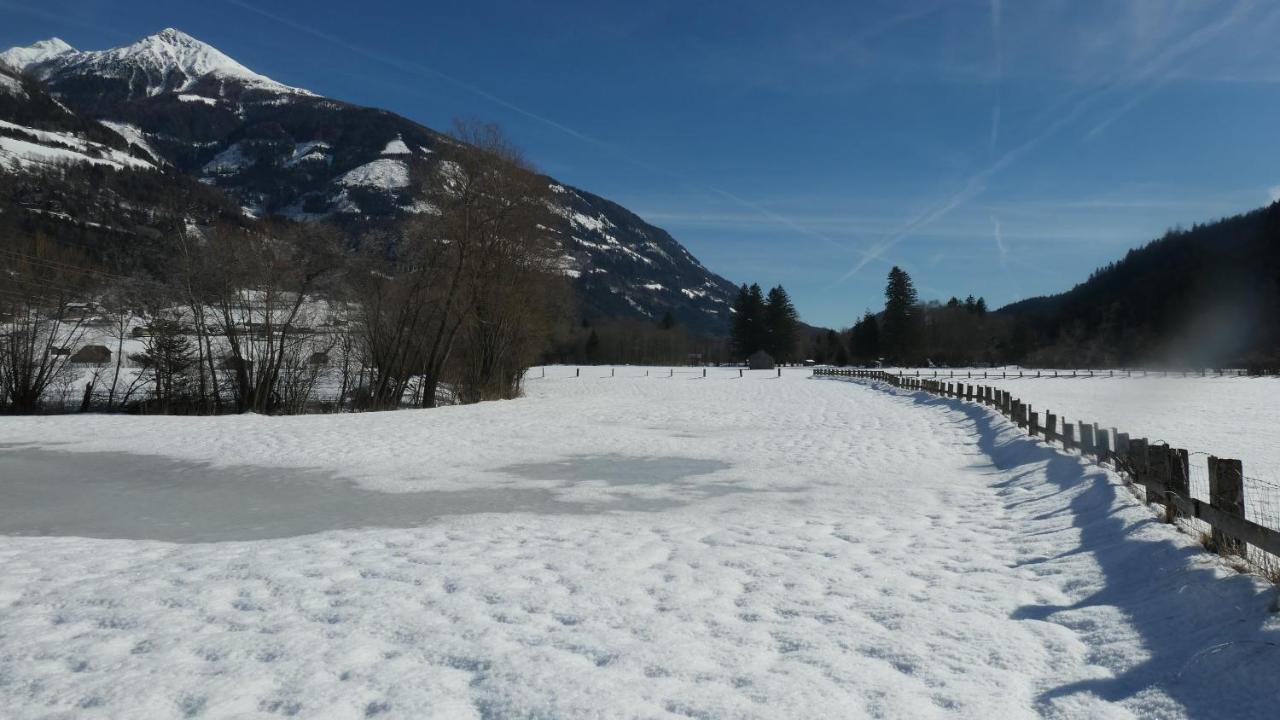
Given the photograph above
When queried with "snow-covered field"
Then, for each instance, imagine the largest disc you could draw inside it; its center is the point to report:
(1229, 416)
(606, 547)
(1233, 417)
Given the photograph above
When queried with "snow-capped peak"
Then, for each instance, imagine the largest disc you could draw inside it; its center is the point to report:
(20, 58)
(168, 61)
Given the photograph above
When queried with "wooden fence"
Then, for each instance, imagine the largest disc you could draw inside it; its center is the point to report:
(1164, 472)
(1022, 373)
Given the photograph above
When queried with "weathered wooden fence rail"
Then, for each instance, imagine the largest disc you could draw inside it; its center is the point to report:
(1164, 472)
(1025, 374)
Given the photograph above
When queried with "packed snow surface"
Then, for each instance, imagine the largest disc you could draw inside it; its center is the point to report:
(637, 546)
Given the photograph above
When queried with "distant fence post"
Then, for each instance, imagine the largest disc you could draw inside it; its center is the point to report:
(1226, 493)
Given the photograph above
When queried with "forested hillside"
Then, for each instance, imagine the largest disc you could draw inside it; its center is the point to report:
(1209, 295)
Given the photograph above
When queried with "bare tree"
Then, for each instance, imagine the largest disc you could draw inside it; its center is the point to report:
(40, 326)
(462, 265)
(258, 287)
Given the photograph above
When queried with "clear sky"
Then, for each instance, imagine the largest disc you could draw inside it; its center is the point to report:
(1000, 147)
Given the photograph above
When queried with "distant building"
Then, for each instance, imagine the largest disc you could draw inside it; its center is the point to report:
(761, 360)
(92, 355)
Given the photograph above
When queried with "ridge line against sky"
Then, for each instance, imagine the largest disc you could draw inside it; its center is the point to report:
(1000, 149)
(611, 147)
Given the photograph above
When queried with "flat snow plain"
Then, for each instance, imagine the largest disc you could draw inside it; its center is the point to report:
(608, 547)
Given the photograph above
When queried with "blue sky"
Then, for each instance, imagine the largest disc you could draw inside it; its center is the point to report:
(993, 147)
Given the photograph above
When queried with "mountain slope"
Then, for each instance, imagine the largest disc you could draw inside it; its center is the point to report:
(1204, 296)
(175, 104)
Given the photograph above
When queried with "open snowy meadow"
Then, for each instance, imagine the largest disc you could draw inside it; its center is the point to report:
(628, 546)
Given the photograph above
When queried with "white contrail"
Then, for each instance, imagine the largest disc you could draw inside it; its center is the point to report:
(612, 148)
(999, 237)
(976, 183)
(415, 67)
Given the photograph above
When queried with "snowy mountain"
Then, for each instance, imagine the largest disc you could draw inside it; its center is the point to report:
(170, 102)
(169, 61)
(21, 58)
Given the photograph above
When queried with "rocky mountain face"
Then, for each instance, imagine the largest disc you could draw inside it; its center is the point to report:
(174, 107)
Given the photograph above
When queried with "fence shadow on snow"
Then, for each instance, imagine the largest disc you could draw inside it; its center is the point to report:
(1220, 667)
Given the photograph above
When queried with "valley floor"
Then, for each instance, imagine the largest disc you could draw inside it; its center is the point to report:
(606, 547)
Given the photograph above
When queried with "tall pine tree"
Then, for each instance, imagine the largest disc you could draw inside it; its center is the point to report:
(864, 340)
(749, 331)
(782, 325)
(900, 332)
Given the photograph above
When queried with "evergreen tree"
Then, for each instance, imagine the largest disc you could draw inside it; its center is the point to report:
(668, 321)
(900, 333)
(749, 324)
(980, 307)
(593, 346)
(864, 340)
(781, 325)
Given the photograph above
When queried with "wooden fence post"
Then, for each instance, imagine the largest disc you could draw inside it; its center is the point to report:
(1068, 435)
(1087, 446)
(1158, 472)
(1179, 480)
(1226, 493)
(1050, 426)
(1138, 462)
(1033, 423)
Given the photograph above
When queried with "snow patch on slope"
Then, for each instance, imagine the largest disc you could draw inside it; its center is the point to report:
(11, 86)
(131, 134)
(229, 161)
(313, 151)
(396, 147)
(382, 173)
(51, 148)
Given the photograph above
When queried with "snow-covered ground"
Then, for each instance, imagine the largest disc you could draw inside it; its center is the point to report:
(1228, 416)
(607, 547)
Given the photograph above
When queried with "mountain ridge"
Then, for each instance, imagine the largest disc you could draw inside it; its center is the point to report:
(181, 105)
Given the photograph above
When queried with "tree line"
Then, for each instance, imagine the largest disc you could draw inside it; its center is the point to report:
(450, 306)
(911, 332)
(765, 322)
